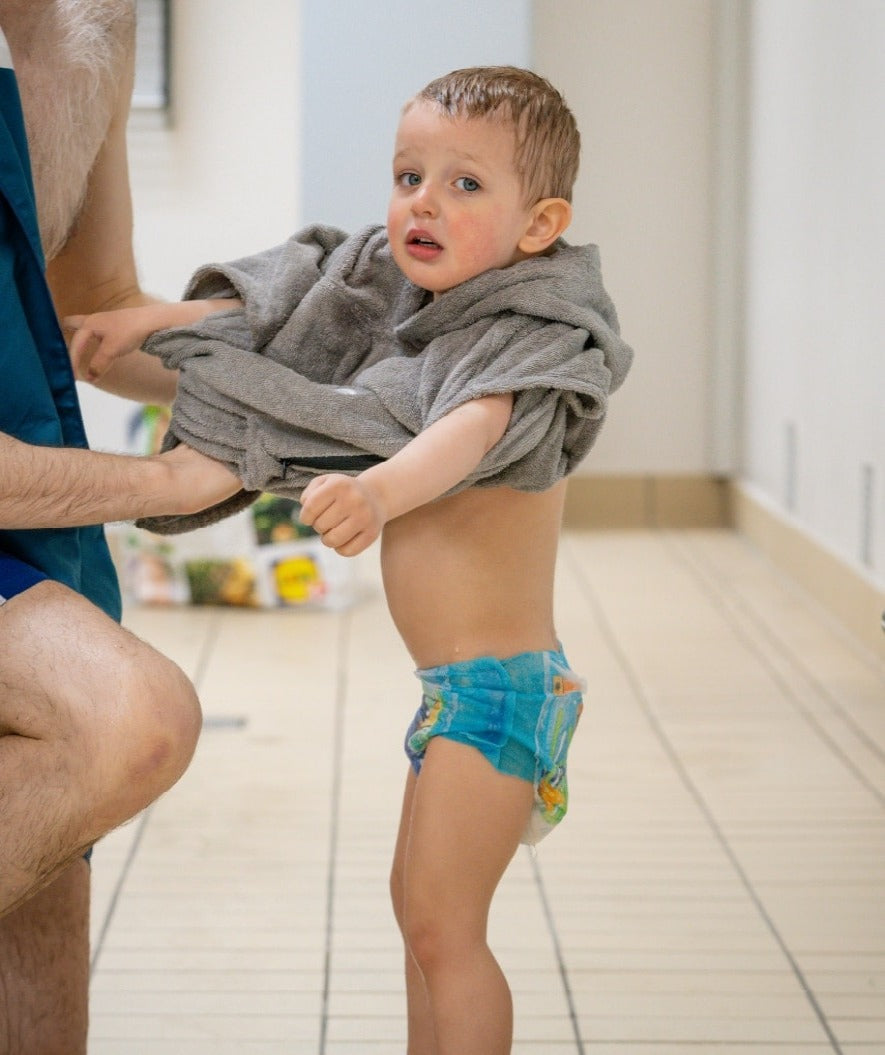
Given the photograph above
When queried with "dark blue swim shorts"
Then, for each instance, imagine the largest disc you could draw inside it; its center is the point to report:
(16, 577)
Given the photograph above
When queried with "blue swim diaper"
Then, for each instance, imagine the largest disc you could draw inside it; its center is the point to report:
(520, 713)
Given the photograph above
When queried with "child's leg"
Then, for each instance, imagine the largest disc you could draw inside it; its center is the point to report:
(465, 825)
(422, 1038)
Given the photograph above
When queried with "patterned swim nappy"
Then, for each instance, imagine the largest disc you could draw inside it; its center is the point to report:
(519, 712)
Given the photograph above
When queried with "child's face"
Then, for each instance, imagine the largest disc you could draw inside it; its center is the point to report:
(457, 205)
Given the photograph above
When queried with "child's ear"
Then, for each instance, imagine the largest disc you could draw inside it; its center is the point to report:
(550, 217)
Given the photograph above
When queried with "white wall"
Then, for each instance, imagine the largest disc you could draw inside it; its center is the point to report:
(814, 405)
(638, 75)
(358, 71)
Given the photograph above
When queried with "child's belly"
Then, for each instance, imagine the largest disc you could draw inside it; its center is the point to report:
(472, 575)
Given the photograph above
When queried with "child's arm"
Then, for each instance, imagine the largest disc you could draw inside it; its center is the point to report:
(104, 337)
(349, 512)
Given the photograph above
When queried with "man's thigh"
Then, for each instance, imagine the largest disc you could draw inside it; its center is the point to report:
(56, 678)
(94, 725)
(59, 661)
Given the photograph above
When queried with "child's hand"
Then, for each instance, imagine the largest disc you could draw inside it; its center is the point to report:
(343, 511)
(101, 338)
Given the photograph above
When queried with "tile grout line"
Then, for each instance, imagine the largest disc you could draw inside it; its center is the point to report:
(645, 704)
(734, 610)
(208, 645)
(118, 890)
(202, 662)
(557, 948)
(334, 812)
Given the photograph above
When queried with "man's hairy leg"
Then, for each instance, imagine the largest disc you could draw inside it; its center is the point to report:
(44, 969)
(94, 725)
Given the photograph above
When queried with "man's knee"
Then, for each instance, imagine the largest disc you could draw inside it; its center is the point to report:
(160, 722)
(166, 705)
(124, 718)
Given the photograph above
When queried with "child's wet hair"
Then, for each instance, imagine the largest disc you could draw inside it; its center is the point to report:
(548, 143)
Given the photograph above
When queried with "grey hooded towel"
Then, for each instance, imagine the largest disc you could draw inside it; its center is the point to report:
(336, 361)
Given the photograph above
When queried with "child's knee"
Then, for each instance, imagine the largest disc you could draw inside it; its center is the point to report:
(397, 893)
(438, 937)
(425, 941)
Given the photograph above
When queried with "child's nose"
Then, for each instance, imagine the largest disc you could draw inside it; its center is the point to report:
(424, 200)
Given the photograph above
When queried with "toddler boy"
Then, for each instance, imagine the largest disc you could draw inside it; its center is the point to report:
(456, 367)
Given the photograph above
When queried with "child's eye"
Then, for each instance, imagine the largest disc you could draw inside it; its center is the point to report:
(467, 183)
(408, 179)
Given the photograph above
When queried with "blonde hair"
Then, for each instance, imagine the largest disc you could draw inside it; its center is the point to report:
(548, 143)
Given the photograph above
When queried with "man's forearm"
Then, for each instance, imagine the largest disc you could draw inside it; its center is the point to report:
(62, 487)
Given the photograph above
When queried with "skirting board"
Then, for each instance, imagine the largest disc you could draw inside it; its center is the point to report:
(648, 502)
(852, 599)
(673, 502)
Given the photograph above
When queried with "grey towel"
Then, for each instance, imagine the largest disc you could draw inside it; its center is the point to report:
(336, 361)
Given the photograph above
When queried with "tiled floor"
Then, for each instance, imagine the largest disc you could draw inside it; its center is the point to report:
(717, 889)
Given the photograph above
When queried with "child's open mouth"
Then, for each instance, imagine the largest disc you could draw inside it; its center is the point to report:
(421, 246)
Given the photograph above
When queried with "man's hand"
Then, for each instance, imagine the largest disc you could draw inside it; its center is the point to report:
(198, 482)
(344, 512)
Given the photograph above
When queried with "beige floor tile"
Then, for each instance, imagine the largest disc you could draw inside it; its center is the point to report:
(861, 1031)
(390, 1029)
(235, 982)
(630, 1047)
(146, 1029)
(704, 1029)
(178, 1046)
(183, 1002)
(367, 1003)
(133, 960)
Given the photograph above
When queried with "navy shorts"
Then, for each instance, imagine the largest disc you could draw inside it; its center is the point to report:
(16, 577)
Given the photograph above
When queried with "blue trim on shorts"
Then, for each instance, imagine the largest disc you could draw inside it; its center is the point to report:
(16, 577)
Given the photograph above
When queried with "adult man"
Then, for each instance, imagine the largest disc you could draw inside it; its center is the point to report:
(94, 724)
